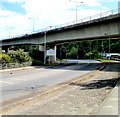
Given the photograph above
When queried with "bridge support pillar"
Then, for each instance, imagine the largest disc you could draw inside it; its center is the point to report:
(55, 49)
(6, 49)
(41, 48)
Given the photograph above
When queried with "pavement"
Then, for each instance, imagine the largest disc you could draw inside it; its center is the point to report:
(15, 69)
(110, 105)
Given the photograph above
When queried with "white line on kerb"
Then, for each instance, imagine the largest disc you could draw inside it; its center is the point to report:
(6, 82)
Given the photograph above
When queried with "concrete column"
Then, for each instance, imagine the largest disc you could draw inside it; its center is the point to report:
(55, 48)
(41, 48)
(6, 49)
(45, 51)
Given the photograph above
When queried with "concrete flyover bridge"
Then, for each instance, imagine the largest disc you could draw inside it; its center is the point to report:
(102, 26)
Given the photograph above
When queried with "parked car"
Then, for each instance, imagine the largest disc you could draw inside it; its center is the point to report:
(118, 58)
(114, 57)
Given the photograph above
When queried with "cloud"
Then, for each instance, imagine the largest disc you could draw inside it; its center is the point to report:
(12, 1)
(108, 0)
(6, 13)
(55, 10)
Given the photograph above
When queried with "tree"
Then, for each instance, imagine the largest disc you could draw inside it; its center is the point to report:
(72, 53)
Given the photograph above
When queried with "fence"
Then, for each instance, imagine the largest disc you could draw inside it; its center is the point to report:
(14, 65)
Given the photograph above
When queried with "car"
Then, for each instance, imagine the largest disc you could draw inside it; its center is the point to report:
(118, 58)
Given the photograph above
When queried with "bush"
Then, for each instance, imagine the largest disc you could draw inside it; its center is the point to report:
(4, 58)
(37, 62)
(19, 56)
(37, 55)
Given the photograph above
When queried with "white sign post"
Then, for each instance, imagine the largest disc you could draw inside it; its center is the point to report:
(51, 52)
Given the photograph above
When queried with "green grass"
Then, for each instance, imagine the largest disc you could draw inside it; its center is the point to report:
(65, 61)
(104, 60)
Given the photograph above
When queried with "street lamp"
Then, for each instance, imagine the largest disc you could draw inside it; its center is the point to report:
(9, 29)
(76, 7)
(33, 22)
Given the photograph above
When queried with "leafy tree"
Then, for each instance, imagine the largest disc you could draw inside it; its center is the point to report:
(73, 53)
(26, 48)
(87, 55)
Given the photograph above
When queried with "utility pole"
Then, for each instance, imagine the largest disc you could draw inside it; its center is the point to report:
(76, 9)
(33, 20)
(119, 7)
(9, 30)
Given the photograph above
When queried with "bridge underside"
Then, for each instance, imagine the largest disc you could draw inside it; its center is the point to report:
(87, 39)
(57, 42)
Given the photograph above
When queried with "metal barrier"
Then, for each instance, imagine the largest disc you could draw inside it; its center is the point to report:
(101, 15)
(14, 65)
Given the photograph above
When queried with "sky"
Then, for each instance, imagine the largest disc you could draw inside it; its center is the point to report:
(19, 17)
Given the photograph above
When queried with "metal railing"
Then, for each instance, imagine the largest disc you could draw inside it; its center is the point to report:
(97, 16)
(14, 65)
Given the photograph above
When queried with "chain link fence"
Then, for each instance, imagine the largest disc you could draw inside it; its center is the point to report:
(14, 65)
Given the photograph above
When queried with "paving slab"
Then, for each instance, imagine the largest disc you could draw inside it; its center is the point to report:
(110, 106)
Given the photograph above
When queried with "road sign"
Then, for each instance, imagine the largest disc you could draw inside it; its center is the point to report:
(51, 52)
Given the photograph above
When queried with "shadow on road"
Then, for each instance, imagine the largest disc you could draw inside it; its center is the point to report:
(110, 67)
(98, 84)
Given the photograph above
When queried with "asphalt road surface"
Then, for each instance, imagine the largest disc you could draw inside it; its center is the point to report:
(19, 84)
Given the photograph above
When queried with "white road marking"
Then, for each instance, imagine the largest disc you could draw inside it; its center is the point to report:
(6, 82)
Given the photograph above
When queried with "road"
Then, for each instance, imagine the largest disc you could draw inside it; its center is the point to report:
(23, 83)
(81, 97)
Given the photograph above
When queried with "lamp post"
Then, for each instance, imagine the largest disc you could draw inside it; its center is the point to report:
(33, 20)
(76, 8)
(9, 30)
(119, 7)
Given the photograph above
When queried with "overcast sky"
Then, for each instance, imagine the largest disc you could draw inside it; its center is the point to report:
(17, 16)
